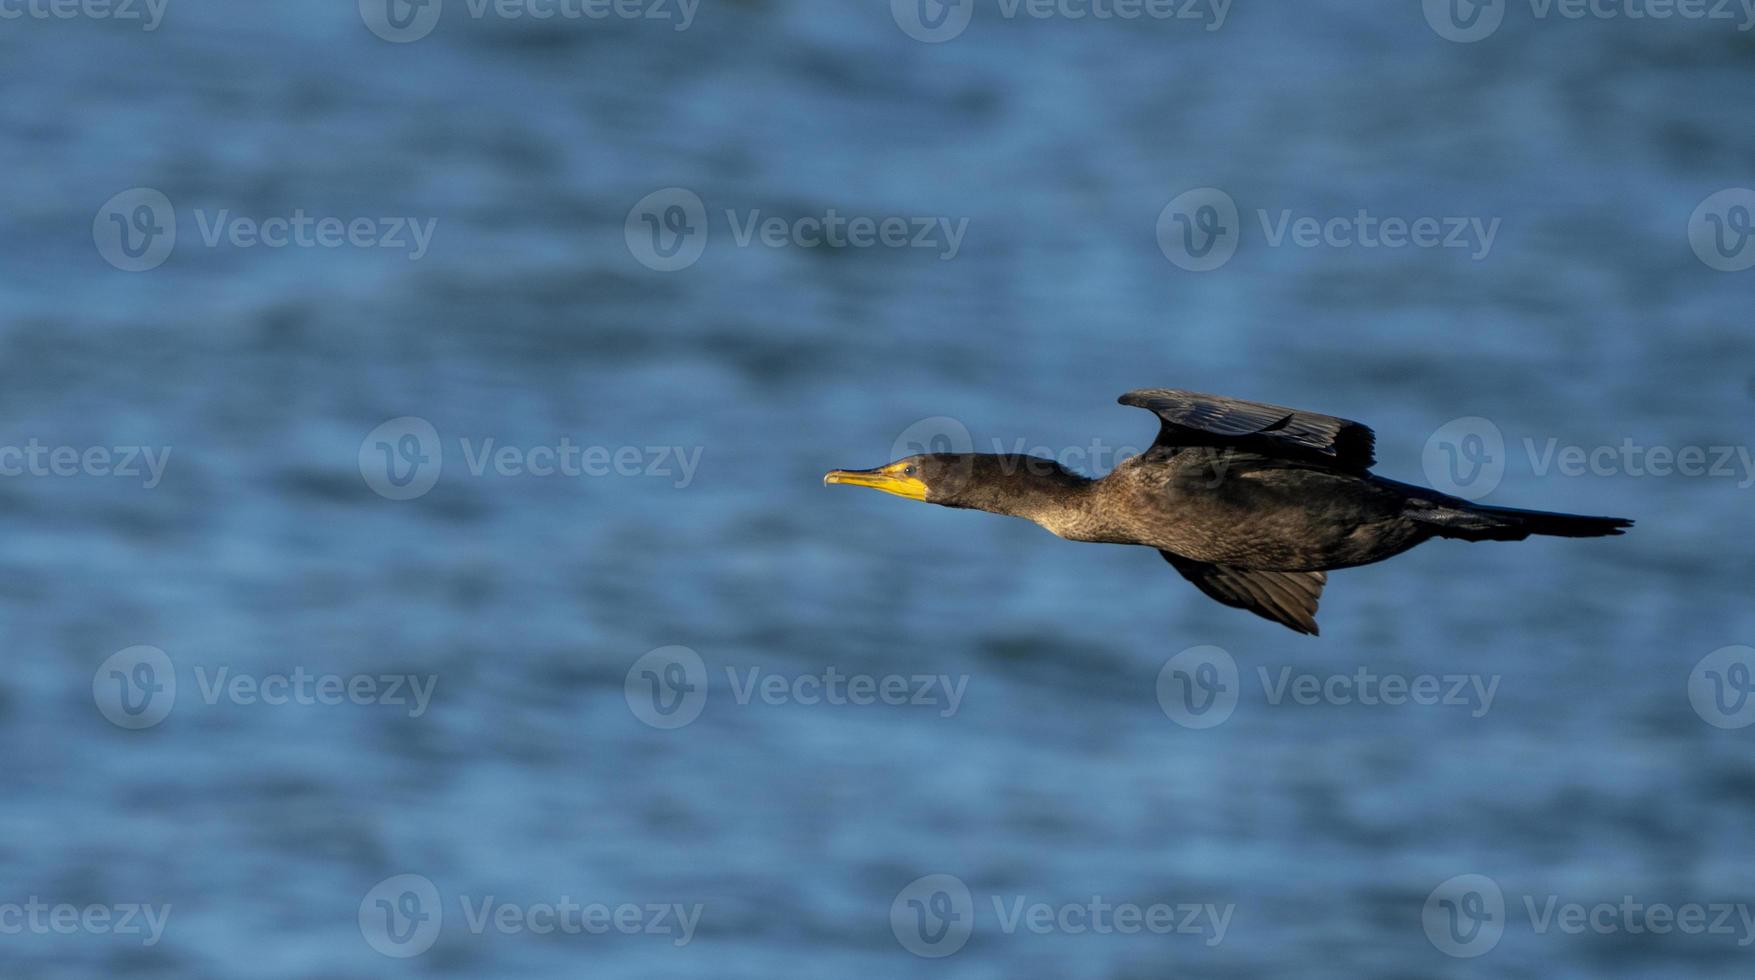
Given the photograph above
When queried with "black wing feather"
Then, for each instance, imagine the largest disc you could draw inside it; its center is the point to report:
(1190, 418)
(1287, 598)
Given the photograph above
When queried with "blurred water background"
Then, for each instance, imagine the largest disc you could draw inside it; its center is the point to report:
(530, 320)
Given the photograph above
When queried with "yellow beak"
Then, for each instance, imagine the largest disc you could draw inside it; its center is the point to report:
(879, 479)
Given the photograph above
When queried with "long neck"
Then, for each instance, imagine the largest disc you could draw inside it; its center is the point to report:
(1038, 490)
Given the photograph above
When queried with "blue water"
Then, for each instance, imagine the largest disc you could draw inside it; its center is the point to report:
(794, 828)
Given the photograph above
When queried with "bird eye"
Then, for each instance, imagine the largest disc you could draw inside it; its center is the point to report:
(908, 471)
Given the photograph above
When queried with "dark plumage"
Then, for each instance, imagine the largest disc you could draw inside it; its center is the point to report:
(1252, 503)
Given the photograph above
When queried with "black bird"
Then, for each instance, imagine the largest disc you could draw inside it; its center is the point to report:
(1253, 503)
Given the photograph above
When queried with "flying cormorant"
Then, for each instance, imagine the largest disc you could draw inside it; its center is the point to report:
(1253, 503)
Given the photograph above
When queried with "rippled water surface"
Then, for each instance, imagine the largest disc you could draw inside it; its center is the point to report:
(1057, 777)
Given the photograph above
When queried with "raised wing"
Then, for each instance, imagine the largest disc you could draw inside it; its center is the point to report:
(1189, 418)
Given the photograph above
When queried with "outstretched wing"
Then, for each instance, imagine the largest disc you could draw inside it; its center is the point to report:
(1287, 598)
(1189, 418)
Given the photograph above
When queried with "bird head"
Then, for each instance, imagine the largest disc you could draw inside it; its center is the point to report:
(1001, 484)
(933, 477)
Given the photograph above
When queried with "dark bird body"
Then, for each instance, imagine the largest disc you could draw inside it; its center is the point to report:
(1253, 503)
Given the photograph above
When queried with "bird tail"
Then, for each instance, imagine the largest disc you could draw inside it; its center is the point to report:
(1476, 522)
